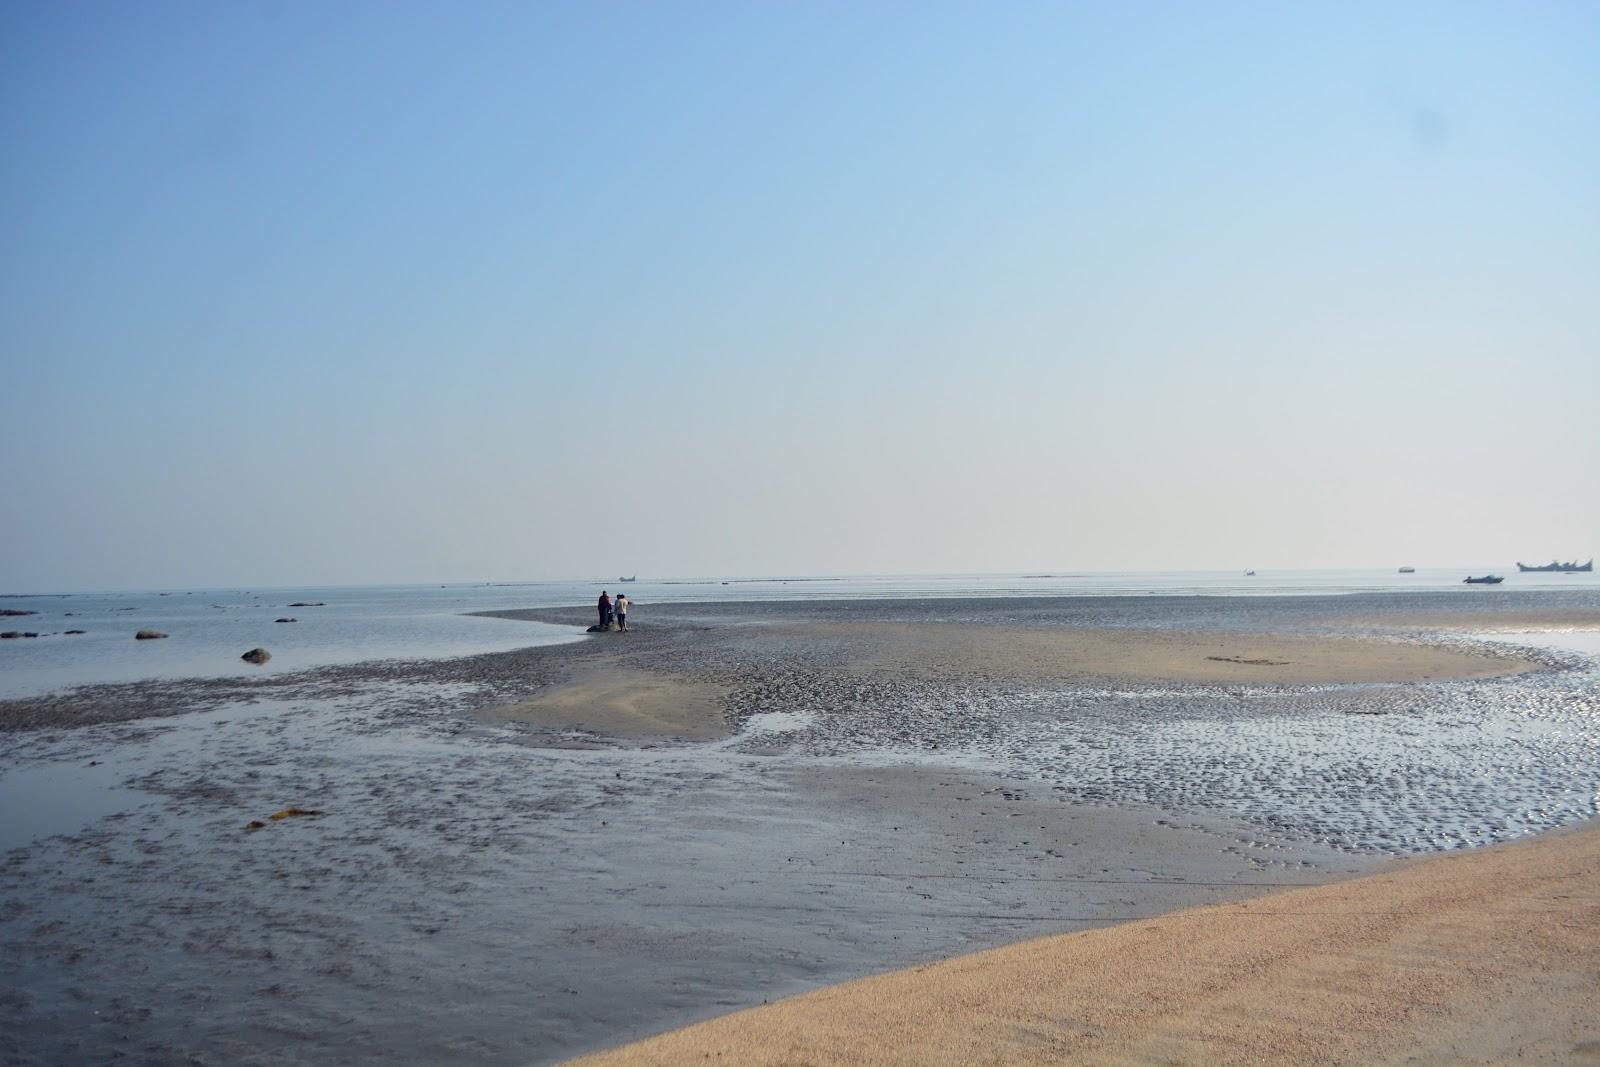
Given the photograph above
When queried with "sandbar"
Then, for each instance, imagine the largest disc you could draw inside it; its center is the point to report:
(624, 702)
(1042, 654)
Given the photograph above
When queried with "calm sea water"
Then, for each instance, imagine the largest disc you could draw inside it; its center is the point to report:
(209, 629)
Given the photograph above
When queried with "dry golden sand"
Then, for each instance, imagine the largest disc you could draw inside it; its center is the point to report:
(1490, 956)
(625, 702)
(1026, 654)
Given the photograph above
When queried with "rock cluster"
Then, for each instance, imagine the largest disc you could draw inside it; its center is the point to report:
(148, 635)
(256, 655)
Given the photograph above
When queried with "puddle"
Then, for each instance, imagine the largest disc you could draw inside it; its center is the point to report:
(59, 798)
(1583, 642)
(779, 722)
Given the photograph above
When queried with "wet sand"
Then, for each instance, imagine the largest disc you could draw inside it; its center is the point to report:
(1037, 654)
(1487, 957)
(530, 855)
(607, 696)
(623, 702)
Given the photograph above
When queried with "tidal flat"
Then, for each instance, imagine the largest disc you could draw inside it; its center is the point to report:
(526, 855)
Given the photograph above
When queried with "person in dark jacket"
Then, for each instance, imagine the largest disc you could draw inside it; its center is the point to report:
(605, 610)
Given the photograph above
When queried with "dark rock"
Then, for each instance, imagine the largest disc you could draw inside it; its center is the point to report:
(256, 655)
(9, 634)
(148, 635)
(74, 631)
(285, 620)
(308, 604)
(14, 613)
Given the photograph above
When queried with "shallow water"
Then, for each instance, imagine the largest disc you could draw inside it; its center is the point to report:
(1583, 642)
(207, 633)
(59, 798)
(465, 894)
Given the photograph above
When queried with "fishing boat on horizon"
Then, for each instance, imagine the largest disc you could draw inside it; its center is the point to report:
(1487, 579)
(1573, 567)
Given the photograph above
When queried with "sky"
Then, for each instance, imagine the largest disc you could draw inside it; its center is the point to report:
(297, 293)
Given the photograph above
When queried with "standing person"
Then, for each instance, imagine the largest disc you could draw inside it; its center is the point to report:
(605, 610)
(622, 606)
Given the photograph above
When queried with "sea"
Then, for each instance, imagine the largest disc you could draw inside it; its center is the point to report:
(209, 629)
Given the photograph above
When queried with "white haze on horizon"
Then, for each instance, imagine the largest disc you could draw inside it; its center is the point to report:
(760, 291)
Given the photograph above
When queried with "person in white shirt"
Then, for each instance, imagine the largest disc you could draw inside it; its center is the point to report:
(621, 606)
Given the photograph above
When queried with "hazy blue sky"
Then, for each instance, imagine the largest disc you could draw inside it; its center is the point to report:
(347, 292)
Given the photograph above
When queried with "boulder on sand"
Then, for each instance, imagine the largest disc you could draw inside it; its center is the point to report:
(285, 620)
(14, 613)
(148, 635)
(256, 655)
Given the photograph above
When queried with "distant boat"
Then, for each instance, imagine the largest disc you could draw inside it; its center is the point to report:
(1408, 570)
(635, 578)
(1249, 574)
(1487, 579)
(1565, 568)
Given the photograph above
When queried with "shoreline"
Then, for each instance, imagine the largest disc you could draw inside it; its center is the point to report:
(1404, 615)
(1480, 957)
(529, 855)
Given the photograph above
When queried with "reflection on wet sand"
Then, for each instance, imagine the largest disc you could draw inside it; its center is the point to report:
(736, 804)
